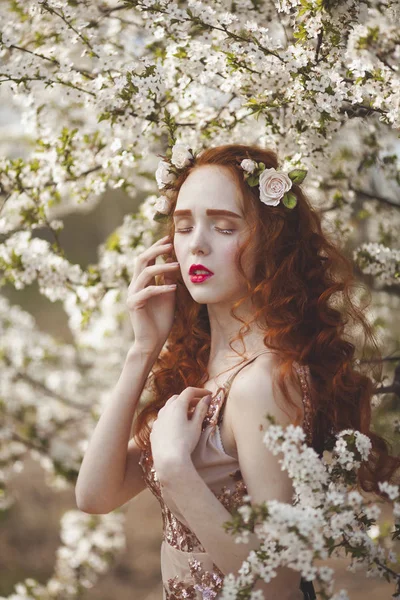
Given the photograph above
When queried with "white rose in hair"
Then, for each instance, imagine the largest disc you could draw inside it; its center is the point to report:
(163, 174)
(163, 205)
(181, 155)
(248, 165)
(273, 186)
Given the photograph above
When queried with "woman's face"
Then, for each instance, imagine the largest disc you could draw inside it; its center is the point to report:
(212, 240)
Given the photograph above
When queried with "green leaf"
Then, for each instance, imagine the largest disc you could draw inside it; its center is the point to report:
(298, 175)
(160, 217)
(289, 200)
(252, 180)
(363, 214)
(113, 242)
(261, 166)
(103, 116)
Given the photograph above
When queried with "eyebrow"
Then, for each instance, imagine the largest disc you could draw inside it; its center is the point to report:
(209, 211)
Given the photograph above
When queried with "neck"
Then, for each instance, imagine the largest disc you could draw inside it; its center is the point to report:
(224, 328)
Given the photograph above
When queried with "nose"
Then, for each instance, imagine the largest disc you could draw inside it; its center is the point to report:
(199, 244)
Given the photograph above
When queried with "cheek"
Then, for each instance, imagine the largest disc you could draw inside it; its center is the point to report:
(247, 259)
(227, 259)
(228, 255)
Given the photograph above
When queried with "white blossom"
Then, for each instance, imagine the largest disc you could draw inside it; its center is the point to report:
(92, 104)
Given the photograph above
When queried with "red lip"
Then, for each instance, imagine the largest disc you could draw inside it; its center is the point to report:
(194, 268)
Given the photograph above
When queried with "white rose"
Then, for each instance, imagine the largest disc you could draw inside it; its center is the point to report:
(248, 165)
(163, 205)
(163, 174)
(181, 155)
(273, 186)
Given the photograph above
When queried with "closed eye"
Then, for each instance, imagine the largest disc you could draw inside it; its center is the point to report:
(226, 231)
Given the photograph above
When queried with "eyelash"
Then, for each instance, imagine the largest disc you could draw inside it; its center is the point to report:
(225, 231)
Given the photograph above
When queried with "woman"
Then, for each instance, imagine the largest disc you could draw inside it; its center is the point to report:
(248, 269)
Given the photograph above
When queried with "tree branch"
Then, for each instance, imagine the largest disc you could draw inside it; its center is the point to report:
(376, 197)
(40, 386)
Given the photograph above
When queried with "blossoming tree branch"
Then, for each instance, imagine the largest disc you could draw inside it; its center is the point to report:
(101, 89)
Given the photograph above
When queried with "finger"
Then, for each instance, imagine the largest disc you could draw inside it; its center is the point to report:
(169, 401)
(162, 240)
(202, 408)
(150, 274)
(139, 299)
(148, 256)
(193, 394)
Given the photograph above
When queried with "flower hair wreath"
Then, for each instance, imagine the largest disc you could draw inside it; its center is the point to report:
(274, 185)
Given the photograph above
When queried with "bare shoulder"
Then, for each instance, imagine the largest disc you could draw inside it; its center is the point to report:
(254, 397)
(255, 386)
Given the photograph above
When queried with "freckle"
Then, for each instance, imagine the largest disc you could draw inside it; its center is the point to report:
(261, 427)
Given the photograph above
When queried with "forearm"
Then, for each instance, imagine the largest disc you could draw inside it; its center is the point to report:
(206, 515)
(103, 467)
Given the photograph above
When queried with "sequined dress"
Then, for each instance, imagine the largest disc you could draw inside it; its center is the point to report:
(187, 571)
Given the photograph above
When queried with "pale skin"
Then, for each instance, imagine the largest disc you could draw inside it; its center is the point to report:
(175, 433)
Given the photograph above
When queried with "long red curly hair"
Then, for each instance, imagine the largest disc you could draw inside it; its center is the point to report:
(302, 293)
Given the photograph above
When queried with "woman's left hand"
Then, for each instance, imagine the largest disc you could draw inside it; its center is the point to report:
(174, 435)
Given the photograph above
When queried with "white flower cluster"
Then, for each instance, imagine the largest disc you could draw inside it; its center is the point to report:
(300, 461)
(391, 490)
(294, 535)
(94, 102)
(85, 555)
(181, 157)
(52, 393)
(28, 259)
(345, 456)
(380, 261)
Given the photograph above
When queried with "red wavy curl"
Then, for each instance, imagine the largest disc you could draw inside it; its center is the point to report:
(302, 291)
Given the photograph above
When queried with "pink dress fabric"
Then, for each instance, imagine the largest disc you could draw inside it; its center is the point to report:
(187, 570)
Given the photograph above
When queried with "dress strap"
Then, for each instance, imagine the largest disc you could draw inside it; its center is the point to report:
(227, 385)
(228, 382)
(303, 374)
